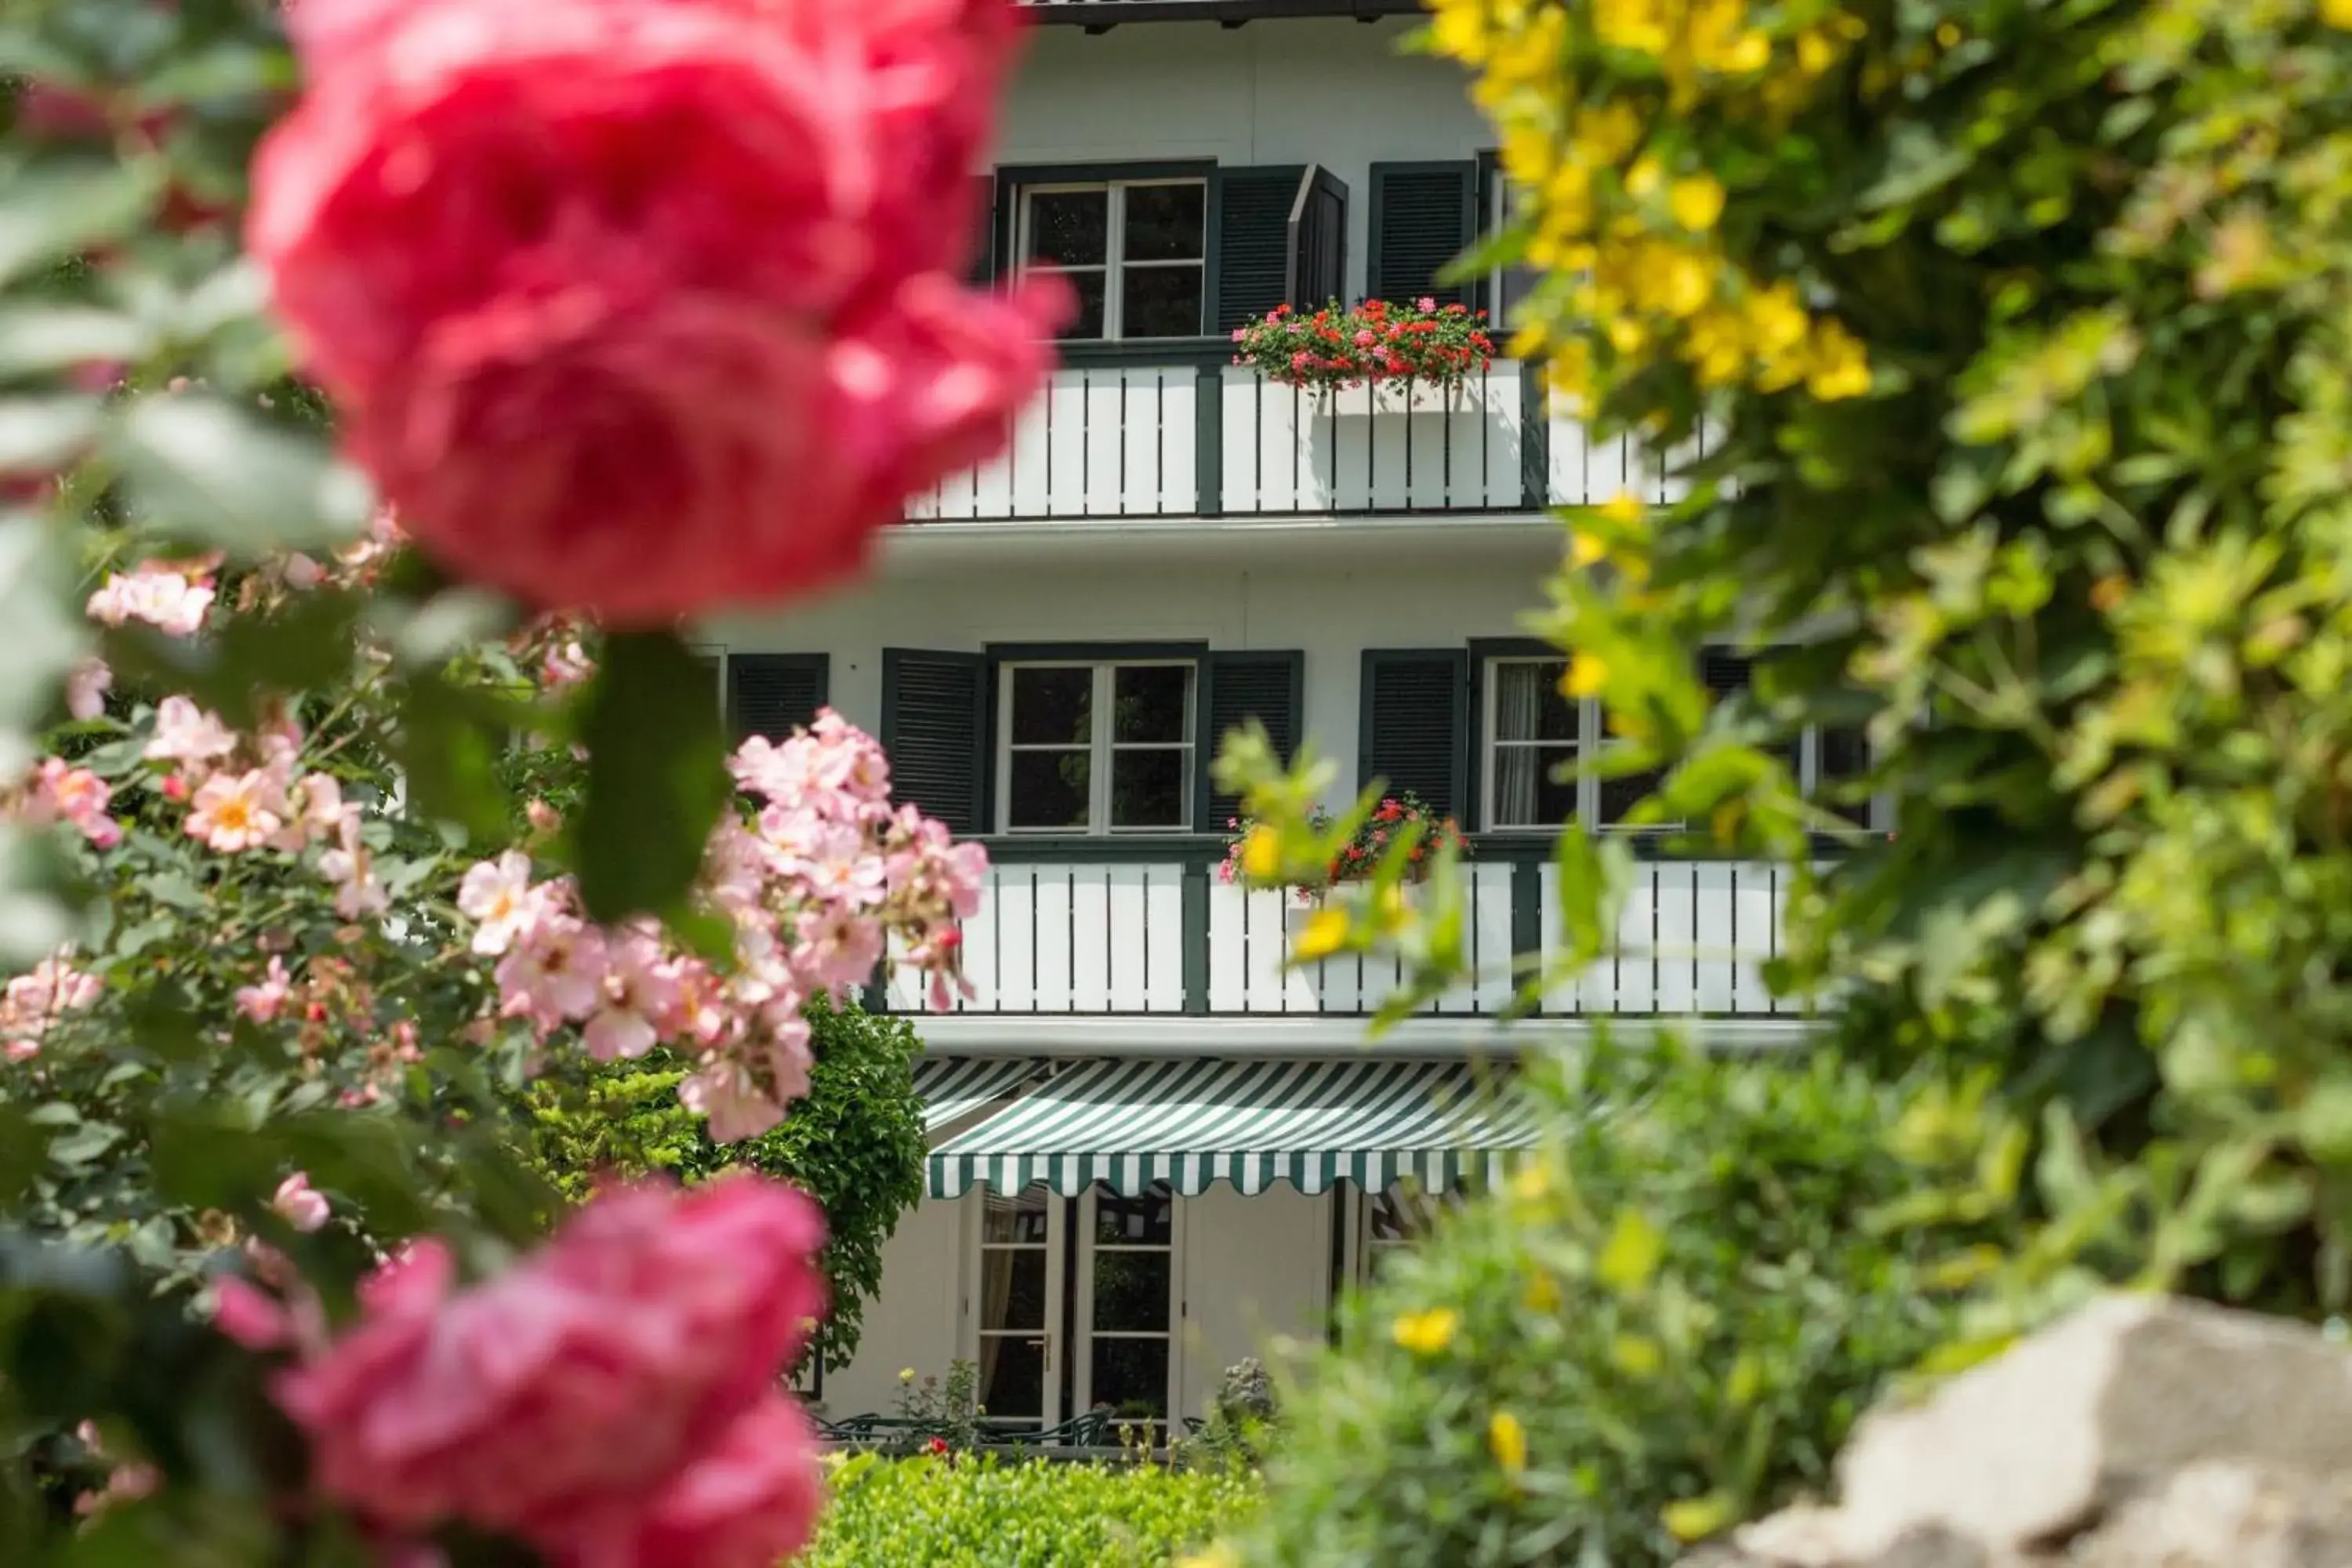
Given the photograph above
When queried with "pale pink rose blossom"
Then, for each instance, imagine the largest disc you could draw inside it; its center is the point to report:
(350, 866)
(554, 973)
(497, 895)
(63, 793)
(722, 1093)
(155, 593)
(186, 733)
(641, 990)
(86, 686)
(232, 812)
(301, 1204)
(34, 1000)
(262, 1002)
(568, 1399)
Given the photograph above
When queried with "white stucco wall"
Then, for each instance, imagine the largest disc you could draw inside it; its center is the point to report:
(1324, 90)
(1257, 1273)
(912, 1322)
(1345, 592)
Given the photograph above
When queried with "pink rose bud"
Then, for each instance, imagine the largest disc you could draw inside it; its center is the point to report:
(299, 1204)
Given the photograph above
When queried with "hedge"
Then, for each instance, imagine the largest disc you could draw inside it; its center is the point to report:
(972, 1512)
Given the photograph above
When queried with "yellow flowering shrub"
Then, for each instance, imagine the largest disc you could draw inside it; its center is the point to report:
(1667, 1321)
(2019, 336)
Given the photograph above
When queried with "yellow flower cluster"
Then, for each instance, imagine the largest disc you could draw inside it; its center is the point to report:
(1427, 1333)
(1634, 233)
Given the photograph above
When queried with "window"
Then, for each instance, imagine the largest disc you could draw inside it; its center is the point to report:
(1134, 252)
(1396, 1220)
(1535, 734)
(1096, 747)
(1129, 1306)
(1531, 732)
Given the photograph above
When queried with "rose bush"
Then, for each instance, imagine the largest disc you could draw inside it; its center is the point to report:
(645, 309)
(284, 950)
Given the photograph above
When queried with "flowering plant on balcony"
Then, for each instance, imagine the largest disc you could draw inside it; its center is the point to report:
(1374, 343)
(1359, 854)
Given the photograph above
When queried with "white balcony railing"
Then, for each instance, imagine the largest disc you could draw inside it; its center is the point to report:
(1157, 934)
(1196, 436)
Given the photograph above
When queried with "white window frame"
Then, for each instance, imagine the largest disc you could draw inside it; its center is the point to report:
(1101, 746)
(1371, 1249)
(1591, 740)
(1115, 263)
(976, 1247)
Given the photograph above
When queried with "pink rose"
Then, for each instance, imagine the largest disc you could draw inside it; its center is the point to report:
(598, 1369)
(747, 1502)
(301, 1204)
(642, 307)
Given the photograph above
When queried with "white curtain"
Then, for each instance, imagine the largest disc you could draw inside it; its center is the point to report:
(1518, 770)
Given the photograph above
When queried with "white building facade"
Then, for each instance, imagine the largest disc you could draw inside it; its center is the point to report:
(1156, 1151)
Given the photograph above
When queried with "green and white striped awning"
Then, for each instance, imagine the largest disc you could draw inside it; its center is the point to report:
(1191, 1123)
(953, 1088)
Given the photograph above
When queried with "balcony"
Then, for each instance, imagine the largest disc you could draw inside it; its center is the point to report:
(1187, 434)
(1109, 929)
(1097, 15)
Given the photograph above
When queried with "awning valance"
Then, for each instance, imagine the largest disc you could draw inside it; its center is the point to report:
(952, 1088)
(1189, 1122)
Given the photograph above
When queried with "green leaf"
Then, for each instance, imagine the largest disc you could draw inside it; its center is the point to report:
(39, 435)
(54, 209)
(657, 777)
(198, 469)
(42, 338)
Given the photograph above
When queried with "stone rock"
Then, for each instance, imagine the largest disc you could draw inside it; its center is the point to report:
(2139, 1433)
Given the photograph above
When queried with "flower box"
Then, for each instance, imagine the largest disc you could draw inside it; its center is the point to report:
(1411, 348)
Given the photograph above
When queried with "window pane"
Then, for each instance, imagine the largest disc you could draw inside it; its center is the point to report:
(1159, 302)
(1147, 787)
(1618, 795)
(1148, 702)
(1086, 323)
(1053, 707)
(1018, 1219)
(1013, 1287)
(1164, 223)
(1071, 228)
(1011, 1377)
(1050, 789)
(1146, 1221)
(1527, 702)
(1529, 791)
(1131, 1292)
(1131, 1377)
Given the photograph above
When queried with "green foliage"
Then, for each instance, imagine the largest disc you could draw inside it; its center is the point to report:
(1667, 1322)
(978, 1513)
(855, 1141)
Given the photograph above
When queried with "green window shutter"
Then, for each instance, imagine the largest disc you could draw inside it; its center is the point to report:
(1250, 213)
(1236, 687)
(1413, 723)
(1423, 215)
(935, 728)
(989, 222)
(773, 694)
(1316, 270)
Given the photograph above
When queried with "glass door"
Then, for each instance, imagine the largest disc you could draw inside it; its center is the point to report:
(1017, 1311)
(1128, 1306)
